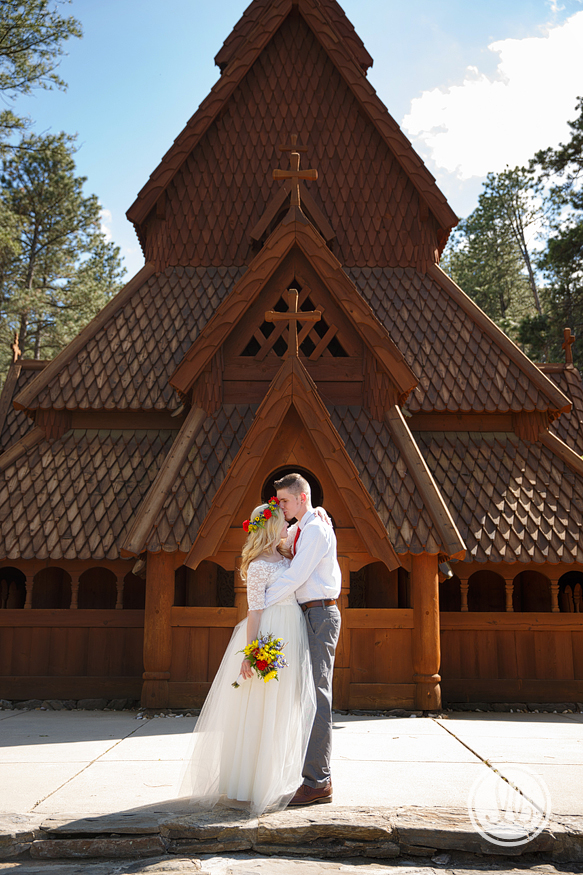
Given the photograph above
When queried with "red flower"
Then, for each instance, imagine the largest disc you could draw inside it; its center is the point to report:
(262, 664)
(267, 513)
(246, 526)
(274, 499)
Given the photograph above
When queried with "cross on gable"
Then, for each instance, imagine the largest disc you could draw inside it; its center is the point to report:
(16, 352)
(293, 316)
(294, 173)
(567, 345)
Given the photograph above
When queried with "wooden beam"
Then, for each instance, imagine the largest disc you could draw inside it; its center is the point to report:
(451, 539)
(158, 629)
(426, 634)
(165, 479)
(13, 453)
(8, 390)
(560, 449)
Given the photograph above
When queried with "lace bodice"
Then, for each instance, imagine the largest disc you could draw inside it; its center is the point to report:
(260, 576)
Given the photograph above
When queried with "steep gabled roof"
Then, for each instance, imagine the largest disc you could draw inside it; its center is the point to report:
(14, 424)
(257, 12)
(341, 55)
(294, 231)
(463, 362)
(293, 387)
(125, 356)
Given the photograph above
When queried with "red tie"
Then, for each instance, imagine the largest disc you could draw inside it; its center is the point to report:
(296, 540)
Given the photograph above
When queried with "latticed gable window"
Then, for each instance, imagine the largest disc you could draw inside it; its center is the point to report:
(315, 339)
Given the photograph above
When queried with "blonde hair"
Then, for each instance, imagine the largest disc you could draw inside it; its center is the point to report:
(263, 538)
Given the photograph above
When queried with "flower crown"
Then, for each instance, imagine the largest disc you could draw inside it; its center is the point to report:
(258, 522)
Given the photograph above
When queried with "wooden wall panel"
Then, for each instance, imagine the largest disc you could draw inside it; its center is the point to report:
(70, 654)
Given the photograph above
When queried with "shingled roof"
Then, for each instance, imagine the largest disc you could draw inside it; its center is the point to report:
(256, 14)
(513, 501)
(463, 361)
(364, 159)
(14, 423)
(123, 359)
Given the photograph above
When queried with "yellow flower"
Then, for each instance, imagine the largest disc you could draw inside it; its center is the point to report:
(270, 675)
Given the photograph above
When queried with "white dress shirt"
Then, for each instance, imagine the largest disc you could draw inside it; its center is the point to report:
(314, 572)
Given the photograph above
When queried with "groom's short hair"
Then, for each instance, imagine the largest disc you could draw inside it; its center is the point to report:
(294, 483)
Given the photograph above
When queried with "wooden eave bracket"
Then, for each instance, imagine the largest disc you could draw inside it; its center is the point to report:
(292, 386)
(302, 234)
(13, 453)
(160, 489)
(25, 400)
(452, 542)
(564, 452)
(559, 402)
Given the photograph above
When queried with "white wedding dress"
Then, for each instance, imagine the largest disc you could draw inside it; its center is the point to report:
(249, 744)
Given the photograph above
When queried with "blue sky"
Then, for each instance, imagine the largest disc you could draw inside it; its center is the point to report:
(475, 85)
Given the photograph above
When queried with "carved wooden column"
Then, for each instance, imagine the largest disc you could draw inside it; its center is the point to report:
(119, 582)
(509, 585)
(157, 629)
(75, 575)
(29, 588)
(341, 688)
(464, 586)
(426, 634)
(555, 597)
(240, 593)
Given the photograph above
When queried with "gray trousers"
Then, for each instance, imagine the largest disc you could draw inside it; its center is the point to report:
(323, 625)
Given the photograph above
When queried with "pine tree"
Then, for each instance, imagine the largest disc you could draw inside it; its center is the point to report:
(62, 270)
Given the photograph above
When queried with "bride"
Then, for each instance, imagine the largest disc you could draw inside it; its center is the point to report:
(249, 742)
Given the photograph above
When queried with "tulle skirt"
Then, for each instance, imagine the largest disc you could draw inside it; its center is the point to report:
(249, 744)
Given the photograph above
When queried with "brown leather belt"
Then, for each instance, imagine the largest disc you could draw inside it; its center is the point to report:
(318, 603)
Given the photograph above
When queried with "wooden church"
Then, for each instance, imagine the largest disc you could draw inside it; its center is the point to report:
(292, 315)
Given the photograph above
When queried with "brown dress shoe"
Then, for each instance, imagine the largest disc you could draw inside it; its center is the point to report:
(312, 796)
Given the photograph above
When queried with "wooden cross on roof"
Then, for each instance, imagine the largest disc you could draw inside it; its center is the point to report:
(16, 352)
(568, 344)
(293, 316)
(294, 173)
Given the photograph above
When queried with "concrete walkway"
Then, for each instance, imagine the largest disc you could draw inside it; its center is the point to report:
(401, 785)
(103, 762)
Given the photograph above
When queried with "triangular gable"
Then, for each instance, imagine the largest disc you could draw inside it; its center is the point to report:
(294, 231)
(256, 11)
(293, 387)
(342, 58)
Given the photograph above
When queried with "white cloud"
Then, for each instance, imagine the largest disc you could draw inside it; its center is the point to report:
(486, 123)
(106, 220)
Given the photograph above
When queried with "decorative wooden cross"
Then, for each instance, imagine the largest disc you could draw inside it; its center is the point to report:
(294, 173)
(293, 316)
(567, 344)
(16, 351)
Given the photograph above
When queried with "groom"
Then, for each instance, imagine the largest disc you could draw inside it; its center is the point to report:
(314, 576)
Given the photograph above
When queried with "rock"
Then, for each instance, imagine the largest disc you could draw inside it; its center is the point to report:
(185, 864)
(117, 705)
(5, 705)
(441, 859)
(17, 832)
(509, 706)
(142, 823)
(28, 705)
(219, 830)
(100, 847)
(452, 830)
(397, 712)
(53, 705)
(91, 704)
(535, 706)
(462, 706)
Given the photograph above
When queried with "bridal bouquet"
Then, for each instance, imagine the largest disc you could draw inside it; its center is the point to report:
(266, 657)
